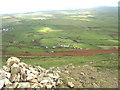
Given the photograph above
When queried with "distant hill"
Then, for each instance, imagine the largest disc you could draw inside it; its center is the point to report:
(53, 11)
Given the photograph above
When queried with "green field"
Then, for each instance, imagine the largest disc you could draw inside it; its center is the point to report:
(102, 62)
(81, 29)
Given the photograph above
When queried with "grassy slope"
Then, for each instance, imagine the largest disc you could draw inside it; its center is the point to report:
(103, 61)
(106, 75)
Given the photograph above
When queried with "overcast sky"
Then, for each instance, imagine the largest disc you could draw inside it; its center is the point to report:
(13, 6)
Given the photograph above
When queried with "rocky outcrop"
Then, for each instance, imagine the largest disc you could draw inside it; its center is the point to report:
(17, 74)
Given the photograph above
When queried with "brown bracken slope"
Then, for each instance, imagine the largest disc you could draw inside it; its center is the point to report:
(68, 53)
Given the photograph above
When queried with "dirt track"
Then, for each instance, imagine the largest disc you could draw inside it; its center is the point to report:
(69, 53)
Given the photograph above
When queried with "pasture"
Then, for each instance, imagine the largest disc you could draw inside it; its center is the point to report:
(41, 32)
(101, 61)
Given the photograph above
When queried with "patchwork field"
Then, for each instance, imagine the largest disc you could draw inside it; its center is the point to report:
(50, 31)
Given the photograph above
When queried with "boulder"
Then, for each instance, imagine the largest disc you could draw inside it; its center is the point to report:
(15, 69)
(2, 77)
(70, 84)
(7, 82)
(12, 60)
(23, 65)
(33, 70)
(2, 74)
(1, 83)
(14, 85)
(8, 75)
(28, 71)
(82, 73)
(40, 78)
(23, 85)
(40, 69)
(23, 74)
(44, 81)
(49, 86)
(34, 85)
(23, 77)
(6, 68)
(14, 78)
(34, 80)
(31, 76)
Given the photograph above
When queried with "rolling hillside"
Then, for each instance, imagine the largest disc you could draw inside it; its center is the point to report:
(63, 30)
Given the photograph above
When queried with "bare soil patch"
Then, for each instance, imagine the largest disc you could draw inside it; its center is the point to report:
(68, 53)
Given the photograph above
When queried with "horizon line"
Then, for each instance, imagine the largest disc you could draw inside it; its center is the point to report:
(54, 10)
